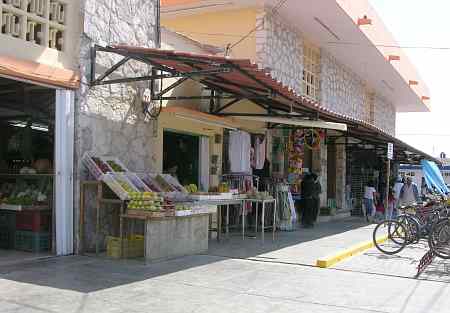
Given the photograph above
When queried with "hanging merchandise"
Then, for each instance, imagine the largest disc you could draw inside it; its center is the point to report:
(260, 152)
(296, 148)
(312, 138)
(239, 152)
(287, 214)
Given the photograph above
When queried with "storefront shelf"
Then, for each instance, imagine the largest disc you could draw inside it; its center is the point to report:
(32, 241)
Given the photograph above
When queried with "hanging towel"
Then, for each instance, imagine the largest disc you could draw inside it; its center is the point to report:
(239, 152)
(260, 153)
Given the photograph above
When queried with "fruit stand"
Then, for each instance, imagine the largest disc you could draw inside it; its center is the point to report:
(160, 201)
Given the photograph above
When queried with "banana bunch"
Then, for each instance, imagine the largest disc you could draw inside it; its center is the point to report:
(192, 188)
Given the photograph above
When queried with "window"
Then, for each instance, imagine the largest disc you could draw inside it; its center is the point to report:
(311, 71)
(41, 22)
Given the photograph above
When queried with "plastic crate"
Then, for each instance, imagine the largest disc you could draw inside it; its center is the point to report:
(112, 180)
(93, 168)
(7, 238)
(7, 220)
(32, 241)
(137, 182)
(36, 221)
(133, 247)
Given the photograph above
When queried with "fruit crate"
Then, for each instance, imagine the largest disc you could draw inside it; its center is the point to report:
(114, 181)
(7, 238)
(32, 241)
(150, 182)
(33, 220)
(110, 161)
(94, 168)
(137, 182)
(174, 183)
(7, 220)
(133, 247)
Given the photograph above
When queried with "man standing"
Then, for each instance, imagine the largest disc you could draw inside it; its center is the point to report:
(307, 190)
(409, 193)
(397, 189)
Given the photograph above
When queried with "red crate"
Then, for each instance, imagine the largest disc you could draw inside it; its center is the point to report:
(36, 221)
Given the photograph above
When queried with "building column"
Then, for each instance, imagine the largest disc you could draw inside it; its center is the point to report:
(319, 166)
(341, 173)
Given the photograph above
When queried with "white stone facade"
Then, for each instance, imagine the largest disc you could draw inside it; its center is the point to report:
(109, 119)
(279, 48)
(342, 91)
(384, 115)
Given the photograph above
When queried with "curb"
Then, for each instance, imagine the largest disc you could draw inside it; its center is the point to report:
(347, 253)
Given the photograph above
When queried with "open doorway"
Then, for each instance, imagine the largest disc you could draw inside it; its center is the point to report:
(27, 150)
(181, 156)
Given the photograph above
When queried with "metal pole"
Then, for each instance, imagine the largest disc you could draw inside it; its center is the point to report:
(388, 174)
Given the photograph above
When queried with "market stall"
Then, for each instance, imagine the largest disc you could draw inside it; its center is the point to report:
(176, 221)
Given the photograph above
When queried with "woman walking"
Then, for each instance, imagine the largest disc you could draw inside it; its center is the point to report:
(369, 196)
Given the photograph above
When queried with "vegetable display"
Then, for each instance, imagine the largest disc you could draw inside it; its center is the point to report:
(101, 165)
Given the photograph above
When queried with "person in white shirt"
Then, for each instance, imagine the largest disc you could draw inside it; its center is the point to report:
(397, 189)
(369, 196)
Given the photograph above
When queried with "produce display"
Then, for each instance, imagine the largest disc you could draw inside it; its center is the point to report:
(115, 167)
(146, 201)
(101, 165)
(192, 188)
(24, 193)
(151, 183)
(165, 186)
(137, 182)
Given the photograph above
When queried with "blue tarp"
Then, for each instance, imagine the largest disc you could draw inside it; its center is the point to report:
(433, 177)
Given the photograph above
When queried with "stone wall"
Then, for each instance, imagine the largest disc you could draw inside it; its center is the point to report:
(341, 173)
(384, 115)
(279, 48)
(342, 90)
(109, 119)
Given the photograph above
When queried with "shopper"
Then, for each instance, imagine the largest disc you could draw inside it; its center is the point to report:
(390, 212)
(317, 190)
(397, 188)
(409, 193)
(369, 204)
(307, 193)
(423, 189)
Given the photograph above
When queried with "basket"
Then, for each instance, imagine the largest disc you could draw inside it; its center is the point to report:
(133, 247)
(32, 241)
(36, 221)
(93, 167)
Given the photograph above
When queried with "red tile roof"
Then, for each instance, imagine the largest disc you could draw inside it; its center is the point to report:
(247, 79)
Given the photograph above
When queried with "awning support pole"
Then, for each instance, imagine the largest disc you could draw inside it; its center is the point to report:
(227, 105)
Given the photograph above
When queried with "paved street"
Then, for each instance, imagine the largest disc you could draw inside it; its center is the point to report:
(207, 283)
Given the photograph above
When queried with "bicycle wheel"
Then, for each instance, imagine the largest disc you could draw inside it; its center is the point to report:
(412, 227)
(390, 237)
(439, 239)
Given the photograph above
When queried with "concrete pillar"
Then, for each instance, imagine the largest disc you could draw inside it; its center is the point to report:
(341, 169)
(319, 166)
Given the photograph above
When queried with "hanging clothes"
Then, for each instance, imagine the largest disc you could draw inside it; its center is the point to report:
(239, 152)
(260, 153)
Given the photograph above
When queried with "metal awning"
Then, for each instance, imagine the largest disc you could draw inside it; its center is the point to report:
(296, 122)
(239, 79)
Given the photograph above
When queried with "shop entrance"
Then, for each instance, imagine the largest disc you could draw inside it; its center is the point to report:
(181, 156)
(33, 198)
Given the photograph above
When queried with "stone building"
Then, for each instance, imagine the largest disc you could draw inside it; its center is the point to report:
(45, 54)
(325, 52)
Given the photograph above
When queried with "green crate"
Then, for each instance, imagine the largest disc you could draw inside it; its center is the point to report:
(7, 220)
(32, 241)
(6, 238)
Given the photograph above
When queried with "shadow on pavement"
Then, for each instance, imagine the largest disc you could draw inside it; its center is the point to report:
(87, 274)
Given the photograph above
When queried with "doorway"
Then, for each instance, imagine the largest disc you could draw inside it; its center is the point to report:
(181, 156)
(36, 148)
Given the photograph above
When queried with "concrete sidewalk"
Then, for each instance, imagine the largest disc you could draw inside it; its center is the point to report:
(209, 284)
(303, 246)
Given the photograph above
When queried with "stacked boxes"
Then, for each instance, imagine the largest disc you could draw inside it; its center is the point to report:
(33, 230)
